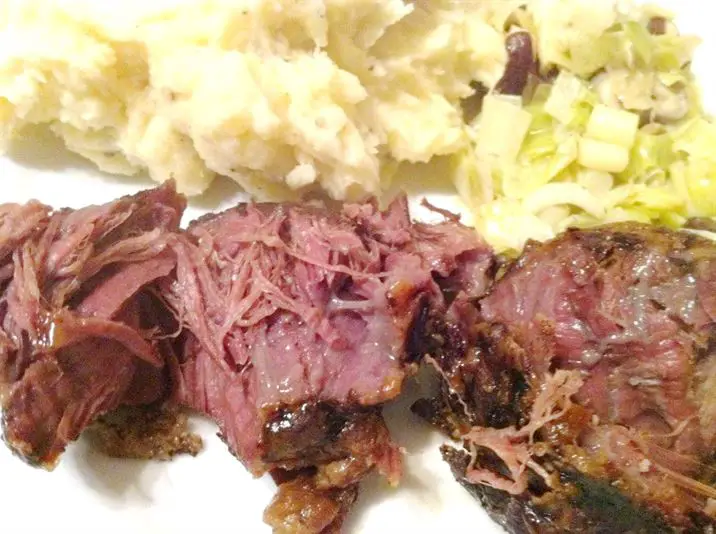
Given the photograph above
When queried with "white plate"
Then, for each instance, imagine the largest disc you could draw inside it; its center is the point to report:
(89, 493)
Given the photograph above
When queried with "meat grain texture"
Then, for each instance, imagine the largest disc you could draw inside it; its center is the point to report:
(289, 325)
(583, 385)
(77, 315)
(580, 377)
(300, 321)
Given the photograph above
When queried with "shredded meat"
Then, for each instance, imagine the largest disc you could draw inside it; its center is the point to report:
(289, 325)
(77, 315)
(300, 321)
(589, 364)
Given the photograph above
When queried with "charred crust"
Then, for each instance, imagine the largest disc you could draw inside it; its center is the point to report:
(496, 373)
(293, 433)
(604, 248)
(316, 433)
(415, 344)
(608, 508)
(579, 503)
(475, 378)
(440, 415)
(516, 514)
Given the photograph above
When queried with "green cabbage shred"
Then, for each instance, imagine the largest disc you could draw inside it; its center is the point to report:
(666, 169)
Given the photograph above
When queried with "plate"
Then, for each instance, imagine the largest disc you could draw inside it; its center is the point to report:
(90, 493)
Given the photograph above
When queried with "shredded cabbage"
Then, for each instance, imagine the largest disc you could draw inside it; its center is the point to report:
(618, 134)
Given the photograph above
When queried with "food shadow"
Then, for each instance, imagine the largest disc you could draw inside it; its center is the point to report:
(223, 193)
(421, 179)
(117, 480)
(39, 149)
(417, 437)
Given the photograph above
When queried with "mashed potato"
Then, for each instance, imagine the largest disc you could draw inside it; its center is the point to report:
(281, 95)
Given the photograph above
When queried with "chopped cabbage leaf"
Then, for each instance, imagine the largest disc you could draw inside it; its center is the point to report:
(615, 132)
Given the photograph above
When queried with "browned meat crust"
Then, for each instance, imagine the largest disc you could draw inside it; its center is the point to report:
(583, 385)
(300, 507)
(582, 504)
(78, 316)
(300, 321)
(145, 433)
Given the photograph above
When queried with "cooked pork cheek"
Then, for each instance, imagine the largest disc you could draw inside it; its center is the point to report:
(584, 385)
(76, 314)
(299, 322)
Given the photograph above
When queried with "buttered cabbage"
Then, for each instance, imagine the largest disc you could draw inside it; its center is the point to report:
(609, 129)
